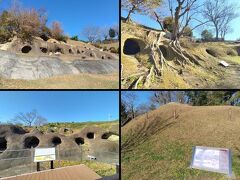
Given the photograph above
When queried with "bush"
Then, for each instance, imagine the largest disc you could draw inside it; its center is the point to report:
(206, 35)
(113, 50)
(6, 27)
(74, 38)
(57, 32)
(105, 48)
(188, 32)
(62, 38)
(168, 23)
(45, 33)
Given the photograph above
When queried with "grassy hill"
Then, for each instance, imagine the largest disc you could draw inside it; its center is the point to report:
(78, 126)
(158, 145)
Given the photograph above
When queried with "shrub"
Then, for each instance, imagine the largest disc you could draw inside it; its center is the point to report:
(168, 23)
(105, 48)
(206, 35)
(188, 32)
(6, 27)
(57, 32)
(113, 50)
(112, 33)
(74, 38)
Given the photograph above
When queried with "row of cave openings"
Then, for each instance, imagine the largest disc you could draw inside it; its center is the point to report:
(132, 47)
(27, 49)
(33, 141)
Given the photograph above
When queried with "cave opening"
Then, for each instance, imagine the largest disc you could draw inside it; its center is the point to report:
(3, 144)
(131, 47)
(164, 51)
(26, 49)
(31, 141)
(79, 140)
(44, 50)
(56, 141)
(90, 135)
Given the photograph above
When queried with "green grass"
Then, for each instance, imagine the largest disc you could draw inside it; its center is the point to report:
(171, 160)
(74, 125)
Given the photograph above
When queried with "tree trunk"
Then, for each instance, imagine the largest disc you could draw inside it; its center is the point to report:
(217, 32)
(129, 13)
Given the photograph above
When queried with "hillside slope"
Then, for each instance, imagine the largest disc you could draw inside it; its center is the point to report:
(158, 145)
(136, 42)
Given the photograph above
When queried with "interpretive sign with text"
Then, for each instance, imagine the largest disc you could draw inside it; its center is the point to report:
(212, 159)
(44, 154)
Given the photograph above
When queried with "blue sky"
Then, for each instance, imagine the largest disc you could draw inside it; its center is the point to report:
(142, 96)
(61, 106)
(235, 24)
(75, 14)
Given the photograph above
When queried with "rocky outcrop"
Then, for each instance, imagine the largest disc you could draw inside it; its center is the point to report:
(16, 66)
(15, 142)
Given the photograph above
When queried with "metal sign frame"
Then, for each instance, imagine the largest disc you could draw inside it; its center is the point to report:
(229, 172)
(49, 156)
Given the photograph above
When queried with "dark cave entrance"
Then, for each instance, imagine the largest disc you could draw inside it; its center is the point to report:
(70, 51)
(79, 140)
(44, 50)
(26, 49)
(131, 47)
(3, 144)
(107, 135)
(58, 50)
(56, 141)
(31, 141)
(90, 135)
(164, 51)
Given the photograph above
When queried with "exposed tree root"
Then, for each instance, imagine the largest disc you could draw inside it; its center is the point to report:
(160, 64)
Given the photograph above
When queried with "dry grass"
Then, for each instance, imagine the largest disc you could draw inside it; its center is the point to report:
(81, 81)
(206, 75)
(159, 146)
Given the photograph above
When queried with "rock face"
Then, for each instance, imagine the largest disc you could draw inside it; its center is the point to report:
(53, 47)
(14, 66)
(15, 142)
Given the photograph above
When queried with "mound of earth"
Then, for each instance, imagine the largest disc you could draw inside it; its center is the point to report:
(158, 145)
(140, 60)
(16, 142)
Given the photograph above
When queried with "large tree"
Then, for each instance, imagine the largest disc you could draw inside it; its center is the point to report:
(92, 33)
(140, 6)
(29, 118)
(220, 13)
(182, 13)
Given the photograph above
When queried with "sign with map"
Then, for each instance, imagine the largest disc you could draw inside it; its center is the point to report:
(44, 154)
(212, 159)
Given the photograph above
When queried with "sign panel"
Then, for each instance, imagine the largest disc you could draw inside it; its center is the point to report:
(212, 159)
(44, 154)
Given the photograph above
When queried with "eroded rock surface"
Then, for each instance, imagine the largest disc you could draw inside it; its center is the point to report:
(16, 66)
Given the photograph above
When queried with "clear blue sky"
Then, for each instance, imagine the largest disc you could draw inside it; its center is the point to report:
(75, 14)
(235, 24)
(61, 106)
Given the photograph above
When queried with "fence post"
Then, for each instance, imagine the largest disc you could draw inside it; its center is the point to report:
(58, 154)
(117, 168)
(229, 114)
(81, 152)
